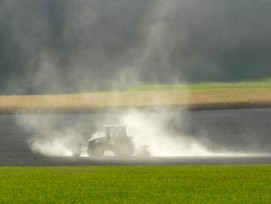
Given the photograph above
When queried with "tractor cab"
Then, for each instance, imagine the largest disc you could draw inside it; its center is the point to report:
(114, 133)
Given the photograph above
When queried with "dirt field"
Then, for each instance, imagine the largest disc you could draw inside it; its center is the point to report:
(236, 130)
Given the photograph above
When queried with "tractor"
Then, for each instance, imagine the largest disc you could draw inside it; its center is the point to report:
(115, 140)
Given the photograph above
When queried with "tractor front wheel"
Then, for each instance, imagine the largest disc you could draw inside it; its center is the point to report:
(97, 149)
(76, 152)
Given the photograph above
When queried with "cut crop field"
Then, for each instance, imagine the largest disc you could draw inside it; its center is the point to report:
(136, 184)
(191, 96)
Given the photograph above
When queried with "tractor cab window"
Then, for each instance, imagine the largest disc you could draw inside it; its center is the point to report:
(114, 133)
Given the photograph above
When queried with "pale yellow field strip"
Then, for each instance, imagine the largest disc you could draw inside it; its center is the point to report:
(181, 98)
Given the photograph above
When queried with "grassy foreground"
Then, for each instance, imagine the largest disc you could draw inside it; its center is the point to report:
(142, 184)
(193, 96)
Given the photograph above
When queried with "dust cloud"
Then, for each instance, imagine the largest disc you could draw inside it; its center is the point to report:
(54, 135)
(153, 130)
(48, 136)
(145, 129)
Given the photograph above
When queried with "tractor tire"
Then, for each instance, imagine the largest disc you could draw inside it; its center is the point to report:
(76, 152)
(124, 148)
(97, 149)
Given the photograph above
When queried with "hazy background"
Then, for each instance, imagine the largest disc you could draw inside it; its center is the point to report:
(70, 46)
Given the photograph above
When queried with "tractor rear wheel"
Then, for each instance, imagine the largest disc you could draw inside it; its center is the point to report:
(124, 148)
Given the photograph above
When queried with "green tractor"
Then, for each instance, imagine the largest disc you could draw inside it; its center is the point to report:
(115, 140)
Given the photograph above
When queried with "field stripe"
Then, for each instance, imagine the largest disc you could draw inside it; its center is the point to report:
(193, 99)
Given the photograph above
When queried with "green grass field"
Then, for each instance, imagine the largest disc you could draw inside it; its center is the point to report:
(261, 84)
(136, 184)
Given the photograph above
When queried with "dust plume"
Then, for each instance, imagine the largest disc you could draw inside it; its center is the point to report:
(153, 130)
(49, 135)
(50, 138)
(166, 133)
